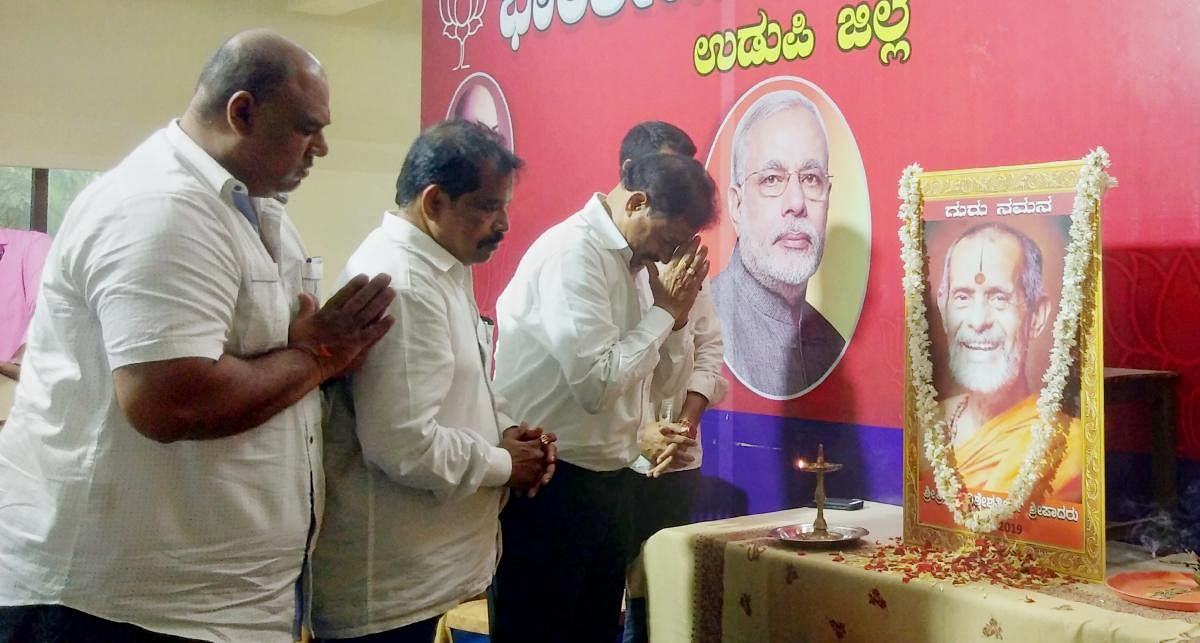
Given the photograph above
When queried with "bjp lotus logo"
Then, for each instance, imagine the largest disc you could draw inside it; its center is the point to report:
(461, 19)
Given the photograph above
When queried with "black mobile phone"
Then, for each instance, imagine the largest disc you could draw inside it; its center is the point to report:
(843, 504)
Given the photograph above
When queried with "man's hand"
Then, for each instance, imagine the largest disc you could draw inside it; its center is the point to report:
(339, 335)
(196, 398)
(534, 455)
(693, 407)
(12, 369)
(675, 289)
(666, 447)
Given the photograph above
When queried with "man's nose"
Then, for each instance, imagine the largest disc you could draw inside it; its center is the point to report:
(319, 146)
(794, 203)
(502, 221)
(979, 316)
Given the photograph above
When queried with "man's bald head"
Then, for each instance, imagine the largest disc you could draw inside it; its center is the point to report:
(258, 61)
(260, 110)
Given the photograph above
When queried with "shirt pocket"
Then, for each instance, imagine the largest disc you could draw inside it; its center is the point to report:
(262, 315)
(485, 334)
(311, 273)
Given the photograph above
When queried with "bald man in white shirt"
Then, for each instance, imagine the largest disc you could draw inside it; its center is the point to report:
(160, 475)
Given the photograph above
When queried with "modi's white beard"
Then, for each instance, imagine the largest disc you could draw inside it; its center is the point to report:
(788, 267)
(984, 377)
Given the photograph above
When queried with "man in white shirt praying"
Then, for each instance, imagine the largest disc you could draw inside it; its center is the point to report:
(577, 352)
(681, 392)
(417, 452)
(160, 475)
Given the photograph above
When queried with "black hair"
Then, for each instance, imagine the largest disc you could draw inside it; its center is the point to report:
(650, 137)
(453, 156)
(677, 186)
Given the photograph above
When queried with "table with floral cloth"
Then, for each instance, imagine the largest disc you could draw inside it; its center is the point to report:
(729, 580)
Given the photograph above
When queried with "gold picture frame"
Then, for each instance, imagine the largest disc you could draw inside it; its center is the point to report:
(984, 191)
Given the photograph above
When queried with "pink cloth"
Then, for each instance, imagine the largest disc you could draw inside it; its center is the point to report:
(20, 275)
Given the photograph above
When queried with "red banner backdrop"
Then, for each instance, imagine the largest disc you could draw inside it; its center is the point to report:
(940, 82)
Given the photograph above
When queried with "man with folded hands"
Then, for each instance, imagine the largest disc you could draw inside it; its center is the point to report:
(685, 383)
(160, 476)
(577, 351)
(418, 449)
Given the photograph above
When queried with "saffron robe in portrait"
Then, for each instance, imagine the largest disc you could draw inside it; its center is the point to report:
(991, 458)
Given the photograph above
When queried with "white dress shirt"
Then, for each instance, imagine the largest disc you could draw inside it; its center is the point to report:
(197, 538)
(576, 351)
(698, 370)
(415, 476)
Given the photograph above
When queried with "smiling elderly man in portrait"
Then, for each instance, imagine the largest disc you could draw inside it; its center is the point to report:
(776, 342)
(993, 305)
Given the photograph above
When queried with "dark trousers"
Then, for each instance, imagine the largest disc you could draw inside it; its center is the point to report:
(658, 503)
(562, 571)
(662, 502)
(419, 632)
(61, 624)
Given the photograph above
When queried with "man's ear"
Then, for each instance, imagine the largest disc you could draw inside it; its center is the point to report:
(637, 201)
(433, 200)
(1040, 313)
(941, 301)
(239, 112)
(733, 199)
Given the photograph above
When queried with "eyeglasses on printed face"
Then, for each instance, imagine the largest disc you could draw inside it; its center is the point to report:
(772, 183)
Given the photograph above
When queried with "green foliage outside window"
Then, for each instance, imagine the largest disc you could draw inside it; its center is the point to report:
(16, 193)
(64, 186)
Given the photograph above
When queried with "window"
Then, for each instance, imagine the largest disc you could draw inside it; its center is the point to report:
(37, 198)
(16, 197)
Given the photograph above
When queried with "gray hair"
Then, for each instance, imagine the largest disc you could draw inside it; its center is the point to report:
(1030, 279)
(762, 109)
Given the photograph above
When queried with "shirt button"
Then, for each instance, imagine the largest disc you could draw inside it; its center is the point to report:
(310, 439)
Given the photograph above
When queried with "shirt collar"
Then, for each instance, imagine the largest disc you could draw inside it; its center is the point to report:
(206, 167)
(601, 225)
(402, 230)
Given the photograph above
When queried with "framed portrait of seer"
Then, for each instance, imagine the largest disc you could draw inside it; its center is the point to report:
(995, 244)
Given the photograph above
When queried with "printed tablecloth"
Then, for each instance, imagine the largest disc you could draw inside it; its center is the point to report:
(729, 580)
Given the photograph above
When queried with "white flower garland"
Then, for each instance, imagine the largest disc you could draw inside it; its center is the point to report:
(1047, 432)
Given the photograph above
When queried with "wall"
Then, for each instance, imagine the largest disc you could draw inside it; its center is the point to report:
(84, 81)
(1020, 82)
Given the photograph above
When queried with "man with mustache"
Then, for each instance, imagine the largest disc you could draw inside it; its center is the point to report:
(776, 342)
(993, 304)
(418, 451)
